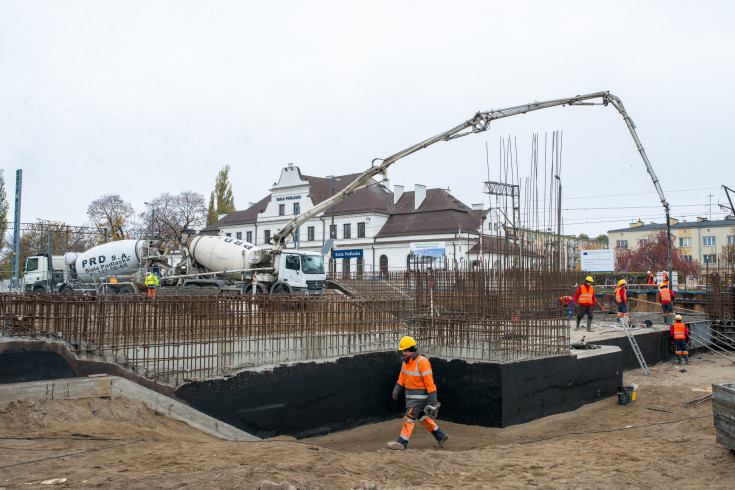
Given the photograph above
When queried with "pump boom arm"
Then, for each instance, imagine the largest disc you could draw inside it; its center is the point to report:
(479, 123)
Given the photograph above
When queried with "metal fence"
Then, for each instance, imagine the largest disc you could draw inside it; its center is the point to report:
(477, 316)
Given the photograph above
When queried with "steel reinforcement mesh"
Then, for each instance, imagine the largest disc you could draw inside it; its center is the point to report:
(482, 316)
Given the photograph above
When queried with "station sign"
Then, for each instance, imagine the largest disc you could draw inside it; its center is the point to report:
(346, 254)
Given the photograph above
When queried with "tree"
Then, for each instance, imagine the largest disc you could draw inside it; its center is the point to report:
(170, 214)
(602, 238)
(221, 201)
(58, 236)
(584, 236)
(652, 254)
(111, 212)
(3, 207)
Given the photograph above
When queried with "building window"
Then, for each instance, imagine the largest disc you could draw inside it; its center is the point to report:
(708, 241)
(685, 242)
(345, 266)
(228, 234)
(643, 241)
(360, 230)
(622, 244)
(347, 230)
(687, 258)
(238, 235)
(731, 239)
(281, 209)
(296, 208)
(333, 231)
(310, 234)
(359, 266)
(266, 236)
(384, 263)
(249, 236)
(710, 259)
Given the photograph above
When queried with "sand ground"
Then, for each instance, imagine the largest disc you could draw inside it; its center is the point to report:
(655, 442)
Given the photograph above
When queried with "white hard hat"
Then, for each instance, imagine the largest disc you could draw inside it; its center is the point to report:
(648, 272)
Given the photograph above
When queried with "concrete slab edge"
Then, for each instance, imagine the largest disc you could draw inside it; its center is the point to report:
(114, 387)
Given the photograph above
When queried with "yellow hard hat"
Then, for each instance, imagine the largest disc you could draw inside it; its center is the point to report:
(662, 285)
(589, 279)
(406, 343)
(621, 282)
(677, 317)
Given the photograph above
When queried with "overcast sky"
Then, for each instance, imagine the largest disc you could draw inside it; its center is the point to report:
(141, 98)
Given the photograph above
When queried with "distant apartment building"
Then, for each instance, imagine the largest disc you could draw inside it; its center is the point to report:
(702, 240)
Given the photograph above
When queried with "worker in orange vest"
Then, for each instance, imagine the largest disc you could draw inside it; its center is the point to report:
(666, 279)
(651, 280)
(621, 298)
(566, 302)
(585, 298)
(417, 381)
(679, 333)
(666, 298)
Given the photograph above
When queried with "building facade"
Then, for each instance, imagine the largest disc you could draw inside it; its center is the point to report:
(374, 229)
(702, 240)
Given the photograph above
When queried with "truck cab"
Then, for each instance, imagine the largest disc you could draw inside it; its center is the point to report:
(298, 271)
(42, 273)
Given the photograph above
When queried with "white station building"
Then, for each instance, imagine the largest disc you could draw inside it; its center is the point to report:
(374, 229)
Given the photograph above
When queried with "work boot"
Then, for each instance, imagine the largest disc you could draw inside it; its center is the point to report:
(399, 445)
(678, 358)
(578, 320)
(589, 324)
(441, 437)
(686, 358)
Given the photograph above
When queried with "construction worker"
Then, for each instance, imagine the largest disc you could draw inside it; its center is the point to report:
(417, 380)
(585, 298)
(621, 298)
(151, 283)
(651, 280)
(666, 279)
(666, 298)
(679, 333)
(567, 303)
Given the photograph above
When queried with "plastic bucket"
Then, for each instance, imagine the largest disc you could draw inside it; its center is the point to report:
(635, 390)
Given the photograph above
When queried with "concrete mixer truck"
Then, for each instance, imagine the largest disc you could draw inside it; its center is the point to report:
(211, 262)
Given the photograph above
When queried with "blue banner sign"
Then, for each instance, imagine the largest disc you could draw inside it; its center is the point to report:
(346, 254)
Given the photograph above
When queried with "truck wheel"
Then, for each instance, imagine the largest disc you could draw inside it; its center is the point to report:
(66, 289)
(258, 289)
(39, 289)
(280, 288)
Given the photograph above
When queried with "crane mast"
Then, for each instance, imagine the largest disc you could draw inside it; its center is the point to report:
(477, 124)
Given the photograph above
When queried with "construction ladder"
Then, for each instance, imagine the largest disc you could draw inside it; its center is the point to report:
(625, 321)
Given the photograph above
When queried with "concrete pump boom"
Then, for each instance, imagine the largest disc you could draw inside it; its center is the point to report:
(479, 123)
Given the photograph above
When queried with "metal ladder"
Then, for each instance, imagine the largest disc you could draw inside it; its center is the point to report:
(625, 321)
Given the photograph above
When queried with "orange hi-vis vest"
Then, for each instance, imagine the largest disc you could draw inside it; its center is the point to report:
(650, 280)
(620, 294)
(679, 330)
(416, 377)
(586, 295)
(666, 296)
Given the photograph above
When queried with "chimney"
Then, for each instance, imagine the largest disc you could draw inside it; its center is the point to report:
(673, 221)
(419, 195)
(477, 207)
(290, 165)
(636, 224)
(397, 193)
(699, 220)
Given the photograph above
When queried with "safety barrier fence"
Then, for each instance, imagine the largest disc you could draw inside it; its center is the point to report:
(174, 338)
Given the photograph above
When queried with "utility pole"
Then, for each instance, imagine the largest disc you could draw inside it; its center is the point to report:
(16, 227)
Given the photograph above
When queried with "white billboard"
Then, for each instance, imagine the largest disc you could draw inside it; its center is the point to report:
(598, 260)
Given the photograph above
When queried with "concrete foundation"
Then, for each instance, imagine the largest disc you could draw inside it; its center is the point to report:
(311, 398)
